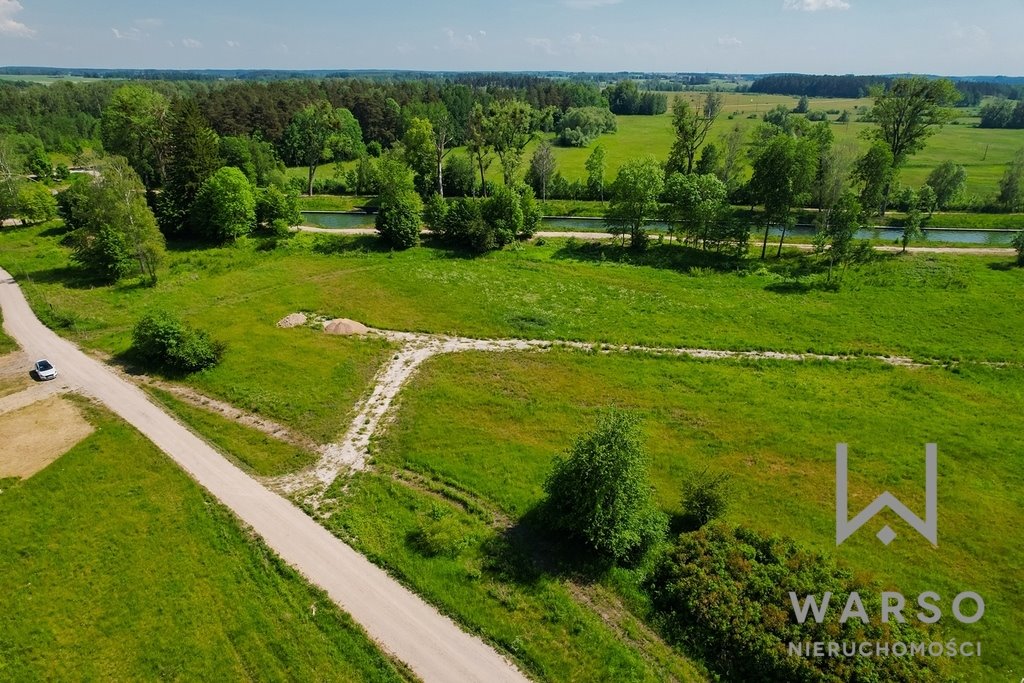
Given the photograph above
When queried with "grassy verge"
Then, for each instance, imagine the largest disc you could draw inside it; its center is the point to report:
(299, 377)
(332, 202)
(6, 343)
(925, 306)
(491, 424)
(257, 452)
(471, 571)
(116, 566)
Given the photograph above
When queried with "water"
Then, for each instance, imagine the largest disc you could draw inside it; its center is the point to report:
(341, 221)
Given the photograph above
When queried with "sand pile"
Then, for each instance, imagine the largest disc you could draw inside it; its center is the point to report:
(293, 320)
(345, 327)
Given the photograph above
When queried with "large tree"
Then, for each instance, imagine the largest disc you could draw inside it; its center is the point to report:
(692, 125)
(319, 133)
(135, 126)
(947, 180)
(508, 131)
(193, 156)
(595, 173)
(1011, 187)
(784, 170)
(875, 171)
(418, 144)
(696, 205)
(478, 144)
(909, 111)
(542, 168)
(635, 194)
(400, 213)
(114, 230)
(225, 207)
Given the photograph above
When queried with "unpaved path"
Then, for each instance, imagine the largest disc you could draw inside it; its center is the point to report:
(351, 453)
(401, 622)
(594, 235)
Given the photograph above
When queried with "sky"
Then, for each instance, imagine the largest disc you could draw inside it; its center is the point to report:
(947, 37)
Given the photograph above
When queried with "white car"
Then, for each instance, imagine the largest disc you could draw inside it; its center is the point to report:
(45, 370)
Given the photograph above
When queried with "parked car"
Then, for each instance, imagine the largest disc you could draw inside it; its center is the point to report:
(45, 370)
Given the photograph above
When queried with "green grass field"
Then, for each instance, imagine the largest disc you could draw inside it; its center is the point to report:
(299, 377)
(254, 451)
(117, 566)
(491, 424)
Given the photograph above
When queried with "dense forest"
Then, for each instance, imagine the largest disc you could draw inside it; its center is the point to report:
(849, 86)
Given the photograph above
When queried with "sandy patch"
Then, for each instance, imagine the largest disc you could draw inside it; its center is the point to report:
(38, 434)
(293, 320)
(345, 327)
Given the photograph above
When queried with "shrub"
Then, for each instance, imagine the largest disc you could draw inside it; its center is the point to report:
(441, 535)
(600, 494)
(225, 208)
(165, 341)
(276, 211)
(706, 496)
(1018, 244)
(725, 593)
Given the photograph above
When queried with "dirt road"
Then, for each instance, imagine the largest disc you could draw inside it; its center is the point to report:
(402, 623)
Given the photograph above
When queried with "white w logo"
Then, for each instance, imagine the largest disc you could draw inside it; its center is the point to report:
(928, 527)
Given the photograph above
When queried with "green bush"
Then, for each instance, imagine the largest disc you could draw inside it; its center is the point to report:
(1018, 244)
(600, 494)
(441, 535)
(165, 341)
(706, 496)
(225, 208)
(724, 593)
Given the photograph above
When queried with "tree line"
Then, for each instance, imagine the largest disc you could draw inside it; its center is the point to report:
(852, 87)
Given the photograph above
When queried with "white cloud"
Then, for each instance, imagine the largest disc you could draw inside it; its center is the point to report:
(468, 41)
(589, 4)
(730, 41)
(10, 27)
(572, 44)
(233, 43)
(815, 5)
(131, 34)
(191, 43)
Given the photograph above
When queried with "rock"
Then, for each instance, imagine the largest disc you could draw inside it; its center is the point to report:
(293, 320)
(345, 327)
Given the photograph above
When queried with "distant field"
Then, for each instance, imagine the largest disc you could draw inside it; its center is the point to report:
(983, 152)
(49, 80)
(117, 566)
(491, 424)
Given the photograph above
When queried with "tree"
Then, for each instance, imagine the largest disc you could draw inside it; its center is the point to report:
(193, 156)
(803, 106)
(320, 133)
(875, 170)
(435, 213)
(134, 125)
(692, 126)
(784, 171)
(708, 162)
(947, 180)
(276, 210)
(256, 158)
(599, 494)
(833, 178)
(478, 144)
(507, 130)
(909, 111)
(926, 199)
(399, 216)
(697, 203)
(114, 232)
(732, 158)
(10, 179)
(835, 239)
(706, 496)
(635, 194)
(1018, 244)
(542, 167)
(444, 131)
(418, 144)
(595, 173)
(503, 213)
(1011, 187)
(35, 203)
(912, 224)
(459, 176)
(225, 207)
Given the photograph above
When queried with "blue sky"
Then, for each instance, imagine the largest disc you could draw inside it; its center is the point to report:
(812, 36)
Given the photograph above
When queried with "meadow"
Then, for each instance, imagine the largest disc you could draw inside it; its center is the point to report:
(474, 435)
(490, 425)
(117, 566)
